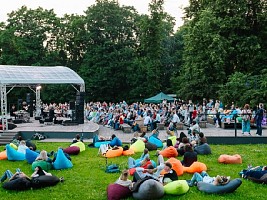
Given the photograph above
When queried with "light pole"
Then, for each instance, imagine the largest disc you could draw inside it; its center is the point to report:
(38, 101)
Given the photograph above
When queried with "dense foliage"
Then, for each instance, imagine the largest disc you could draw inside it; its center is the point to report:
(220, 52)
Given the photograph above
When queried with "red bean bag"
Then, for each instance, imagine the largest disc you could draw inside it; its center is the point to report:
(111, 153)
(227, 159)
(195, 167)
(128, 152)
(117, 192)
(74, 150)
(169, 152)
(176, 165)
(3, 155)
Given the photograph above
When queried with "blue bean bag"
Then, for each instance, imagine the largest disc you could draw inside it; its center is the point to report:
(98, 144)
(62, 162)
(31, 156)
(80, 145)
(176, 187)
(203, 149)
(115, 142)
(155, 141)
(44, 181)
(149, 189)
(12, 154)
(219, 189)
(117, 192)
(41, 163)
(18, 184)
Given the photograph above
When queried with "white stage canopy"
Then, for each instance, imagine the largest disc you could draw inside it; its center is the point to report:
(32, 76)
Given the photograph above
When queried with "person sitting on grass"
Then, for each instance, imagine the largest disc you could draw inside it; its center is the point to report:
(203, 176)
(190, 156)
(8, 174)
(181, 147)
(123, 179)
(202, 139)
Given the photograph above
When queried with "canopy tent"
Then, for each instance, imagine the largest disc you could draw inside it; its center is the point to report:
(159, 98)
(32, 77)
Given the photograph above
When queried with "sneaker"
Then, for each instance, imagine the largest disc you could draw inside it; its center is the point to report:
(190, 184)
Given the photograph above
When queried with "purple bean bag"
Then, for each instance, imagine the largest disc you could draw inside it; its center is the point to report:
(74, 150)
(117, 192)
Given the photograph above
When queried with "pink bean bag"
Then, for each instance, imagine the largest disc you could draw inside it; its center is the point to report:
(73, 150)
(117, 192)
(228, 159)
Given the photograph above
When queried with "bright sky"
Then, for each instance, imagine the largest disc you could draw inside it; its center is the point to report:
(61, 7)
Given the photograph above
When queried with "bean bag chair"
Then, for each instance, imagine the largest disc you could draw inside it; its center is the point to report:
(18, 184)
(3, 155)
(176, 187)
(138, 146)
(13, 146)
(150, 146)
(44, 181)
(176, 165)
(13, 155)
(195, 167)
(219, 189)
(203, 149)
(115, 142)
(227, 159)
(98, 144)
(41, 163)
(128, 152)
(80, 145)
(169, 152)
(114, 153)
(149, 189)
(62, 162)
(155, 141)
(74, 150)
(31, 145)
(261, 180)
(30, 156)
(117, 192)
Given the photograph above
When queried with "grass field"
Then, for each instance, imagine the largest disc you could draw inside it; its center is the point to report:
(87, 179)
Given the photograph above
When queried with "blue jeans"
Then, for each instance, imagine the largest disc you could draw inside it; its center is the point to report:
(198, 176)
(245, 126)
(8, 174)
(259, 128)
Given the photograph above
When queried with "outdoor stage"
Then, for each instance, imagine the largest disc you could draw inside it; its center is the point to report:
(27, 130)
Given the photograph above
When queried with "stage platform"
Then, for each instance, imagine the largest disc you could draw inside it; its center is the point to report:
(27, 130)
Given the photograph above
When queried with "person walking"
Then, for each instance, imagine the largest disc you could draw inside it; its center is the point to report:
(258, 119)
(246, 113)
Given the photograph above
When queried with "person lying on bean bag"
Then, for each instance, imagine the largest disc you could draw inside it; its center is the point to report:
(204, 177)
(10, 176)
(115, 141)
(137, 163)
(255, 172)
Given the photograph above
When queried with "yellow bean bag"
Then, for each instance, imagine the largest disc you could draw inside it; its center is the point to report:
(80, 145)
(227, 159)
(3, 155)
(176, 187)
(138, 146)
(176, 165)
(173, 139)
(195, 167)
(13, 146)
(128, 152)
(169, 152)
(114, 153)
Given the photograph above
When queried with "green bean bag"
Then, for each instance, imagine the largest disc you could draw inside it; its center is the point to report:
(176, 187)
(138, 146)
(80, 145)
(219, 189)
(41, 163)
(173, 139)
(13, 146)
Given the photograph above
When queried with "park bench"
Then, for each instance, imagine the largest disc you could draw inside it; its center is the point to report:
(202, 124)
(180, 126)
(160, 126)
(126, 128)
(225, 125)
(210, 120)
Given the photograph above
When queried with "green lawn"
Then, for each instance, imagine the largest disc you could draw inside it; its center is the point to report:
(87, 179)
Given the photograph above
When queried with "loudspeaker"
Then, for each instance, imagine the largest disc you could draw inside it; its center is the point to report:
(80, 97)
(72, 105)
(79, 114)
(28, 98)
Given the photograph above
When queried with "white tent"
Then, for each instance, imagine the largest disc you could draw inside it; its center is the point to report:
(31, 76)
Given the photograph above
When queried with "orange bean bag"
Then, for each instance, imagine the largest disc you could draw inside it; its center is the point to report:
(176, 165)
(114, 153)
(195, 167)
(227, 159)
(128, 152)
(169, 152)
(3, 155)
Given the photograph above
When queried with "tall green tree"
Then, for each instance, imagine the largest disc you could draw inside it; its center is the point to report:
(110, 50)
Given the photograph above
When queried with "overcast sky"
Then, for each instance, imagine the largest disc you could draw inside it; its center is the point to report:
(61, 7)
